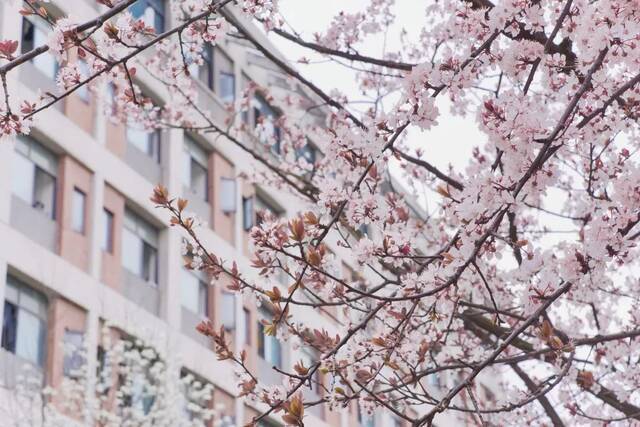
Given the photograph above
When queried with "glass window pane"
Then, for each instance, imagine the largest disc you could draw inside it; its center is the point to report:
(107, 231)
(43, 157)
(228, 195)
(151, 12)
(139, 138)
(154, 141)
(32, 301)
(44, 193)
(247, 326)
(73, 352)
(199, 178)
(227, 87)
(83, 91)
(23, 178)
(272, 351)
(196, 151)
(30, 337)
(190, 291)
(11, 291)
(150, 264)
(203, 297)
(33, 37)
(22, 145)
(228, 312)
(247, 213)
(9, 326)
(186, 169)
(132, 247)
(27, 36)
(261, 350)
(78, 207)
(147, 232)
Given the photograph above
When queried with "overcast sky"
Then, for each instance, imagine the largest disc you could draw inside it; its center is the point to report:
(451, 142)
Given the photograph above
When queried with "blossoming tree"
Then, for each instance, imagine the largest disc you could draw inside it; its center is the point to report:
(471, 288)
(133, 387)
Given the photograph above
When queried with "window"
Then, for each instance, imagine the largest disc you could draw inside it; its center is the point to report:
(268, 346)
(145, 141)
(73, 353)
(247, 213)
(83, 91)
(78, 211)
(196, 174)
(107, 231)
(34, 179)
(195, 395)
(308, 152)
(264, 209)
(194, 293)
(366, 420)
(34, 36)
(25, 319)
(227, 87)
(226, 77)
(103, 371)
(151, 11)
(246, 326)
(266, 116)
(204, 72)
(139, 247)
(138, 382)
(227, 195)
(228, 310)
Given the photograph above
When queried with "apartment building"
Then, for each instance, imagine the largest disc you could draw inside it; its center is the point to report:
(82, 245)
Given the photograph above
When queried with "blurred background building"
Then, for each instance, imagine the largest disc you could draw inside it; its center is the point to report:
(82, 245)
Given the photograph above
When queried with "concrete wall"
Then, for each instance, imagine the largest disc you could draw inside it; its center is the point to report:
(73, 245)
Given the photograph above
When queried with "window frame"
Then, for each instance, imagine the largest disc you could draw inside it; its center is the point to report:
(228, 299)
(228, 184)
(19, 289)
(73, 363)
(265, 341)
(81, 226)
(225, 72)
(35, 26)
(43, 163)
(232, 78)
(108, 226)
(159, 10)
(267, 110)
(152, 142)
(199, 158)
(248, 213)
(83, 91)
(202, 303)
(141, 227)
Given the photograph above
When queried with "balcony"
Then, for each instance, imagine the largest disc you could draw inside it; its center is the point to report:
(141, 292)
(197, 205)
(33, 223)
(188, 326)
(13, 367)
(146, 166)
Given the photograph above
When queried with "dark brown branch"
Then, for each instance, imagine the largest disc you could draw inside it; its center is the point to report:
(533, 388)
(346, 55)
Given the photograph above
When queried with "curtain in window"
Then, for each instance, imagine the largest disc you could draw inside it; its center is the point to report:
(31, 337)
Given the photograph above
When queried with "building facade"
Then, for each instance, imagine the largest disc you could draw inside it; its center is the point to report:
(82, 245)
